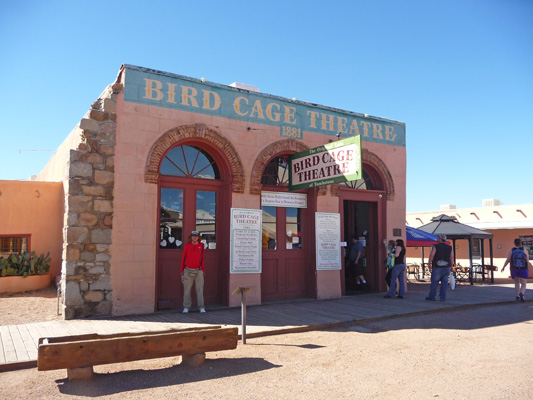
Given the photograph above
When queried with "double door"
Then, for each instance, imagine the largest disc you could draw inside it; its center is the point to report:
(284, 261)
(185, 208)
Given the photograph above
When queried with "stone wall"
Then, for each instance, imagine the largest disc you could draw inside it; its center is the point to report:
(86, 280)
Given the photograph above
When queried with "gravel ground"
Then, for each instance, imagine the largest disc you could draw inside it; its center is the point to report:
(22, 308)
(483, 352)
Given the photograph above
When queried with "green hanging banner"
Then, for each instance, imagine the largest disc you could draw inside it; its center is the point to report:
(334, 162)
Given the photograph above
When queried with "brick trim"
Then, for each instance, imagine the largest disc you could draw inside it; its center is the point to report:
(198, 131)
(280, 147)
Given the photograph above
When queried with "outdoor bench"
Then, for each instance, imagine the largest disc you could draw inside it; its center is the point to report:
(78, 354)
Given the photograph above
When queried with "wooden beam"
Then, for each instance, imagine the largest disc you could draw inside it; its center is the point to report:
(87, 353)
(94, 336)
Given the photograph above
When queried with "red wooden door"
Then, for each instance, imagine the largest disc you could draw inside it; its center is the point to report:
(185, 207)
(284, 271)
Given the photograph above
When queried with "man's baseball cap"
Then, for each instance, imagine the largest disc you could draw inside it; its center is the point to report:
(442, 236)
(195, 233)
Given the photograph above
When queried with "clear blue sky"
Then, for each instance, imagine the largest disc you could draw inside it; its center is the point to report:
(459, 73)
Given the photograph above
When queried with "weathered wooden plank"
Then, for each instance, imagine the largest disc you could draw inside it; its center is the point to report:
(95, 336)
(34, 332)
(9, 348)
(29, 344)
(18, 343)
(51, 328)
(2, 355)
(85, 353)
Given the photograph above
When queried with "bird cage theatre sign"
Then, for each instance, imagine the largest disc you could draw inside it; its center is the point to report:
(334, 162)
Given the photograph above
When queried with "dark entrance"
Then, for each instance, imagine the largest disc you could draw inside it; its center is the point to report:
(360, 219)
(363, 205)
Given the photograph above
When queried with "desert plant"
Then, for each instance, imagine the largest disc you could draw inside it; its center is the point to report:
(25, 264)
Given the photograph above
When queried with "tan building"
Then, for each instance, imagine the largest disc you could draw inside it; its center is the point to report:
(506, 222)
(159, 155)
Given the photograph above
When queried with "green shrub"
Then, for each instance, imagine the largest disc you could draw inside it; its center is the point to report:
(25, 264)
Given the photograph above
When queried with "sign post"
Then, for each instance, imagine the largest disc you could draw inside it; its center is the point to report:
(242, 290)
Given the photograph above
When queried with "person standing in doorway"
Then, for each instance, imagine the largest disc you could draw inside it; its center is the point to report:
(192, 272)
(440, 259)
(356, 258)
(519, 260)
(398, 271)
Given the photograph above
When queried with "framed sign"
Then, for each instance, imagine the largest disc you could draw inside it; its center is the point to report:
(334, 162)
(245, 241)
(328, 241)
(284, 199)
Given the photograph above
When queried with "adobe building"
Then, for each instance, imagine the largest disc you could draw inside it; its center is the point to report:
(505, 222)
(159, 155)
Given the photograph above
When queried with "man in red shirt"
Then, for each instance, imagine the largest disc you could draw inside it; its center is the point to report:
(192, 271)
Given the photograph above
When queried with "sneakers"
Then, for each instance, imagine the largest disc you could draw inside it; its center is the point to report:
(517, 298)
(522, 298)
(186, 310)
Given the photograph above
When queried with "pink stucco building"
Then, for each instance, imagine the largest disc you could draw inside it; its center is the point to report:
(159, 155)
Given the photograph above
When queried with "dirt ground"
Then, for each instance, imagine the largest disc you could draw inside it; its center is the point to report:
(22, 308)
(483, 352)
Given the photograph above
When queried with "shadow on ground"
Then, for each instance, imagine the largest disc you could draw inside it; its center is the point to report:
(104, 384)
(477, 317)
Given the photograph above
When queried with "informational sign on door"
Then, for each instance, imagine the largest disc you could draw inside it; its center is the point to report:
(328, 241)
(245, 242)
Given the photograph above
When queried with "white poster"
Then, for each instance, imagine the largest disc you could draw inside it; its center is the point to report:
(284, 199)
(245, 242)
(328, 241)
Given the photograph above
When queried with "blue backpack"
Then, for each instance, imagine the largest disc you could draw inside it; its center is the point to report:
(518, 259)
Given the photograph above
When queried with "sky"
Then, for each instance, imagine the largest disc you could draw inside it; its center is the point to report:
(459, 73)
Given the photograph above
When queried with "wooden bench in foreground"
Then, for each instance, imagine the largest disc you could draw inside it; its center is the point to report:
(78, 354)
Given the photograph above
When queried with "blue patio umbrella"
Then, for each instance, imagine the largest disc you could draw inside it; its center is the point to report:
(418, 238)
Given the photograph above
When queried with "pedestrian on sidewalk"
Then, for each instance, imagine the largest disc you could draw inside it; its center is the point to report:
(391, 248)
(519, 260)
(398, 271)
(441, 260)
(192, 272)
(356, 258)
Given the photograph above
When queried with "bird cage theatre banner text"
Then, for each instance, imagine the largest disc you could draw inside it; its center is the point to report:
(146, 86)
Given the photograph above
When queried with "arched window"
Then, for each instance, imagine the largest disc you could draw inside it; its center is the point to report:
(276, 172)
(369, 181)
(190, 162)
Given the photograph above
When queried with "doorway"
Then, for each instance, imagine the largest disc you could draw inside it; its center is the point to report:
(286, 237)
(192, 197)
(284, 245)
(360, 219)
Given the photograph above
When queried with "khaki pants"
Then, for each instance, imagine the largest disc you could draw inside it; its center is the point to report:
(188, 280)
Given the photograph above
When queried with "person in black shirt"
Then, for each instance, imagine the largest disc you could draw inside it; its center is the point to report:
(440, 259)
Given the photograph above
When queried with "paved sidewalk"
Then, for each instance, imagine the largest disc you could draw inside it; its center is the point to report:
(18, 343)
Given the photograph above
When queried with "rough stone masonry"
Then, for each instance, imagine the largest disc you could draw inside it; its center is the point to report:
(85, 276)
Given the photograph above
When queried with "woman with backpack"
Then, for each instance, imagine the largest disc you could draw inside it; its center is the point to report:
(519, 260)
